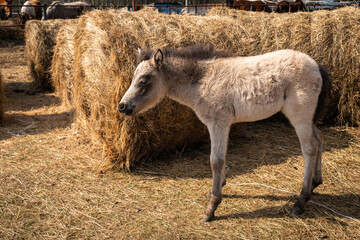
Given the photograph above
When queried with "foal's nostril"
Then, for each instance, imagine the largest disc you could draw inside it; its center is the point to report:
(126, 108)
(122, 107)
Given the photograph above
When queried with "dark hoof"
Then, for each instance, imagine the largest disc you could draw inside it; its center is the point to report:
(208, 218)
(297, 211)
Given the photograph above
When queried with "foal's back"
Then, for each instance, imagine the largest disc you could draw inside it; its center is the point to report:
(257, 87)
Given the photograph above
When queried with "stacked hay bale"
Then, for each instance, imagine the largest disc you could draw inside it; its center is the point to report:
(40, 37)
(106, 44)
(63, 62)
(330, 37)
(2, 97)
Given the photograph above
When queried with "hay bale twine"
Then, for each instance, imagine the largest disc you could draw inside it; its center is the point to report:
(330, 37)
(2, 98)
(62, 63)
(40, 39)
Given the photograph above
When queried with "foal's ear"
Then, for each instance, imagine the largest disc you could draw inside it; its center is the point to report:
(158, 58)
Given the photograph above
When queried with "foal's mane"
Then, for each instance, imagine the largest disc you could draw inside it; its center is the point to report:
(195, 52)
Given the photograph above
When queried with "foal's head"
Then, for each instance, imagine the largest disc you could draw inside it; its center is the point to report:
(147, 87)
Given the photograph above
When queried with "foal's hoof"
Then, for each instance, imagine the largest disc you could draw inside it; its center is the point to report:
(208, 218)
(297, 211)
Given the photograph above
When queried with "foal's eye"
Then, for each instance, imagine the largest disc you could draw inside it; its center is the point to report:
(143, 81)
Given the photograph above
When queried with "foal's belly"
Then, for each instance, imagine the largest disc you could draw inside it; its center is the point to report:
(249, 111)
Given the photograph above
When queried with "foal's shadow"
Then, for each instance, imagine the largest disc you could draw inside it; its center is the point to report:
(251, 145)
(346, 204)
(26, 96)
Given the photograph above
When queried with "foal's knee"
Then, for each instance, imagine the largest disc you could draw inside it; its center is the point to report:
(311, 149)
(217, 164)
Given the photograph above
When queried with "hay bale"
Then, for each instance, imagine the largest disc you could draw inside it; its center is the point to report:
(2, 98)
(330, 37)
(105, 57)
(11, 32)
(62, 63)
(40, 38)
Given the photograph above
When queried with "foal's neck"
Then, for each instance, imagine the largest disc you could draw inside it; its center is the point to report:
(183, 78)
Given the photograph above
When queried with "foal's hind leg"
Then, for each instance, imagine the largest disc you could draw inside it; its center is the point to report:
(310, 146)
(318, 170)
(223, 180)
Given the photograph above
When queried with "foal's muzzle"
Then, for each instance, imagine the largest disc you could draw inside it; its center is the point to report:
(126, 108)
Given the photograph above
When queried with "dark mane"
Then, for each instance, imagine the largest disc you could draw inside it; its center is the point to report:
(195, 52)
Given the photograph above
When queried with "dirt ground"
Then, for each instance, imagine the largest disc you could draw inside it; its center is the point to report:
(50, 190)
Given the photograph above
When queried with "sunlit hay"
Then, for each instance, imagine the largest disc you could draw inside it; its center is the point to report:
(40, 37)
(63, 62)
(2, 98)
(345, 54)
(330, 37)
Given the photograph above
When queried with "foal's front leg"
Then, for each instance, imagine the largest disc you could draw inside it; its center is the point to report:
(219, 140)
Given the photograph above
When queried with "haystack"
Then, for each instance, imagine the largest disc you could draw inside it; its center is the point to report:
(105, 57)
(62, 63)
(2, 97)
(330, 37)
(40, 37)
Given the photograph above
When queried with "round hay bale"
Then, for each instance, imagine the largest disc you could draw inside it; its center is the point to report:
(40, 38)
(330, 37)
(2, 98)
(13, 32)
(62, 63)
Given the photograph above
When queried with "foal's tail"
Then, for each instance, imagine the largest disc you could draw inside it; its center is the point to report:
(324, 95)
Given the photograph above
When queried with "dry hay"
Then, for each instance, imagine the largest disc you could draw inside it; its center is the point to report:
(62, 63)
(105, 57)
(2, 98)
(40, 37)
(330, 37)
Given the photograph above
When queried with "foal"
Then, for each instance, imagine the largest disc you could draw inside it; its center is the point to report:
(223, 89)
